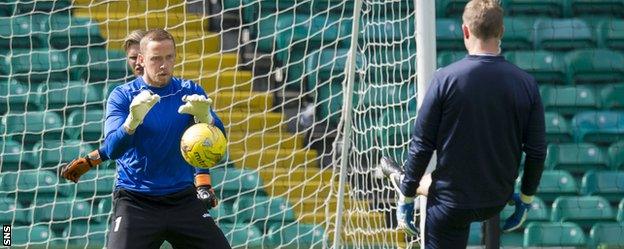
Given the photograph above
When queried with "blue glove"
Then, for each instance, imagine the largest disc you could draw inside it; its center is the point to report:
(519, 215)
(405, 216)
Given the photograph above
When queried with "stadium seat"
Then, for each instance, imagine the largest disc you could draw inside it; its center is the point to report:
(555, 183)
(57, 6)
(26, 185)
(597, 7)
(519, 33)
(475, 235)
(584, 211)
(66, 31)
(616, 155)
(30, 235)
(533, 8)
(223, 212)
(32, 127)
(449, 35)
(568, 100)
(576, 158)
(60, 211)
(608, 184)
(37, 65)
(611, 33)
(27, 32)
(603, 127)
(554, 234)
(85, 125)
(563, 34)
(445, 58)
(234, 181)
(96, 183)
(16, 97)
(51, 153)
(262, 211)
(242, 235)
(512, 239)
(557, 128)
(396, 127)
(68, 96)
(103, 210)
(539, 210)
(620, 212)
(545, 66)
(607, 234)
(594, 66)
(450, 8)
(296, 235)
(99, 64)
(13, 158)
(612, 96)
(86, 235)
(12, 212)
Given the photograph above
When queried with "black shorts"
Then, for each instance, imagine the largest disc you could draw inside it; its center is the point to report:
(142, 221)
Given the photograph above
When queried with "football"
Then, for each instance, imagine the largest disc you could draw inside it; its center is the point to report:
(203, 145)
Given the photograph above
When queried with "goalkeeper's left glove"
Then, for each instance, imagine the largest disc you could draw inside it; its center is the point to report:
(205, 192)
(76, 168)
(199, 106)
(523, 205)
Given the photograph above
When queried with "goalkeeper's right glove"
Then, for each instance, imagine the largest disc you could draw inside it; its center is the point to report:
(406, 205)
(77, 167)
(523, 205)
(205, 192)
(140, 105)
(199, 106)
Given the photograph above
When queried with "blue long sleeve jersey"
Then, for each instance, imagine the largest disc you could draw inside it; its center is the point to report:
(149, 161)
(479, 114)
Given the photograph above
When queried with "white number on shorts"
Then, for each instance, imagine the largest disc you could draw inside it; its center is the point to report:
(117, 222)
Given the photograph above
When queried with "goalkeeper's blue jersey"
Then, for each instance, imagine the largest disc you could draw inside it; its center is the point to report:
(149, 161)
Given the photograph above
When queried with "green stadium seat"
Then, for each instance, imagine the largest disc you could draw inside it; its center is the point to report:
(67, 97)
(86, 235)
(86, 125)
(518, 33)
(620, 212)
(31, 127)
(554, 234)
(96, 183)
(576, 158)
(616, 155)
(103, 210)
(563, 34)
(512, 240)
(60, 212)
(603, 233)
(397, 125)
(584, 211)
(25, 32)
(37, 65)
(612, 96)
(446, 58)
(12, 157)
(555, 183)
(539, 211)
(233, 181)
(597, 7)
(66, 31)
(12, 212)
(611, 33)
(26, 185)
(608, 184)
(16, 97)
(222, 213)
(449, 35)
(450, 8)
(568, 100)
(594, 66)
(45, 6)
(545, 66)
(30, 235)
(242, 235)
(296, 235)
(262, 211)
(96, 64)
(532, 8)
(603, 127)
(475, 235)
(51, 153)
(557, 128)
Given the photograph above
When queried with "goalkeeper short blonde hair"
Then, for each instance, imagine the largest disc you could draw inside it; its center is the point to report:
(484, 18)
(134, 38)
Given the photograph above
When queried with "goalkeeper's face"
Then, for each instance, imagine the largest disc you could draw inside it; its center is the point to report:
(158, 59)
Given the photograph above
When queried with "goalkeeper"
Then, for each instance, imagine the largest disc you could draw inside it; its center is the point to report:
(155, 197)
(479, 114)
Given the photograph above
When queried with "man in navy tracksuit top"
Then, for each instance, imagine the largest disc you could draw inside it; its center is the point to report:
(155, 197)
(479, 114)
